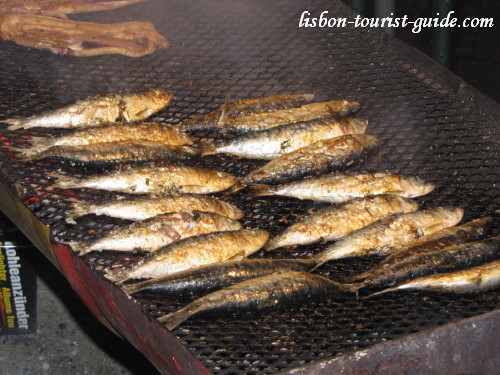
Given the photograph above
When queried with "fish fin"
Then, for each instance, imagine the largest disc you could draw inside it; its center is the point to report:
(223, 116)
(233, 189)
(382, 292)
(359, 276)
(260, 190)
(352, 287)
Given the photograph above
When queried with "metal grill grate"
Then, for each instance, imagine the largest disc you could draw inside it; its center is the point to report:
(430, 123)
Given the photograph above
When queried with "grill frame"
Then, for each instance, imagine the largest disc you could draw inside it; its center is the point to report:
(449, 105)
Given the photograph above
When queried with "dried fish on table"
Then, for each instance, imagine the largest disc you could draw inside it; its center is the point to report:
(216, 119)
(471, 231)
(210, 277)
(143, 207)
(193, 252)
(338, 188)
(473, 280)
(166, 178)
(382, 236)
(319, 157)
(159, 231)
(117, 132)
(335, 222)
(98, 109)
(269, 144)
(271, 291)
(75, 38)
(114, 153)
(307, 112)
(444, 260)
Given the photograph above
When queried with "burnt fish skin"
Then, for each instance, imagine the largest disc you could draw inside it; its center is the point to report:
(449, 259)
(272, 143)
(117, 132)
(319, 157)
(98, 110)
(165, 178)
(340, 187)
(193, 252)
(265, 292)
(115, 153)
(307, 112)
(382, 236)
(468, 232)
(473, 280)
(208, 278)
(216, 120)
(139, 208)
(335, 222)
(161, 230)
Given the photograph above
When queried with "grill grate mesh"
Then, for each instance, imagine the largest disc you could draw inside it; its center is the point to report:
(431, 125)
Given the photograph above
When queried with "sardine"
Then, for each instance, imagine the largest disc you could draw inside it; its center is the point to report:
(167, 178)
(473, 280)
(338, 188)
(115, 153)
(269, 144)
(193, 252)
(319, 157)
(335, 222)
(208, 278)
(468, 232)
(217, 119)
(98, 110)
(143, 207)
(271, 291)
(166, 134)
(159, 231)
(449, 259)
(382, 236)
(307, 112)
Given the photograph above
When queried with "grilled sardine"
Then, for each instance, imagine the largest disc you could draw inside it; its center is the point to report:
(319, 157)
(471, 231)
(335, 222)
(98, 110)
(218, 118)
(193, 252)
(308, 112)
(390, 232)
(269, 144)
(473, 280)
(338, 188)
(271, 291)
(211, 277)
(143, 207)
(167, 178)
(159, 231)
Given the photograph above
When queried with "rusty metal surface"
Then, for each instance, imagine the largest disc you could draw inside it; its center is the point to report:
(431, 124)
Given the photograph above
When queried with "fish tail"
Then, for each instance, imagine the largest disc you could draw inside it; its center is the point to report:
(260, 190)
(352, 287)
(359, 276)
(15, 123)
(81, 247)
(118, 276)
(383, 292)
(63, 181)
(233, 189)
(78, 208)
(170, 321)
(270, 245)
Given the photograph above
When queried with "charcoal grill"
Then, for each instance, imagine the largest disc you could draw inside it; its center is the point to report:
(430, 122)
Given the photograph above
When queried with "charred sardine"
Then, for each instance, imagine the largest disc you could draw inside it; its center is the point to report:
(319, 157)
(208, 278)
(98, 110)
(271, 291)
(390, 232)
(269, 144)
(468, 232)
(445, 260)
(193, 252)
(140, 208)
(308, 112)
(473, 280)
(167, 178)
(337, 188)
(218, 118)
(335, 222)
(159, 231)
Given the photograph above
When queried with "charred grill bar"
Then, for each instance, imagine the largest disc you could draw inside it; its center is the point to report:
(431, 124)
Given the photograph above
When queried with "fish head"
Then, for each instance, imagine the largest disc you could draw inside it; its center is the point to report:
(401, 204)
(256, 237)
(450, 216)
(160, 95)
(415, 186)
